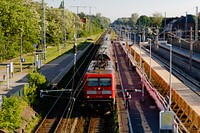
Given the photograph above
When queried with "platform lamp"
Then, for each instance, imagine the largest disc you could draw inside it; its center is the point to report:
(170, 77)
(21, 60)
(140, 50)
(150, 73)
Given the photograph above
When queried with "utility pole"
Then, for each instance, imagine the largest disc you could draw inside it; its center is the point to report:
(143, 36)
(77, 8)
(75, 52)
(7, 76)
(21, 50)
(186, 26)
(64, 24)
(76, 21)
(157, 45)
(139, 26)
(90, 7)
(191, 42)
(196, 27)
(191, 48)
(164, 27)
(43, 30)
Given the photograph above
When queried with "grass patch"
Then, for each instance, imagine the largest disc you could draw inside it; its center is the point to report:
(31, 125)
(52, 53)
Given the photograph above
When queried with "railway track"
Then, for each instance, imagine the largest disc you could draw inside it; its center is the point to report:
(55, 119)
(58, 120)
(52, 118)
(180, 74)
(100, 123)
(96, 124)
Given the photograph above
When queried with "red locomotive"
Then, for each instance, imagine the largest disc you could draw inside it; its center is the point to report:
(99, 80)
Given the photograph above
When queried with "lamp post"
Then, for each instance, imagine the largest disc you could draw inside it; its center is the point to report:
(21, 35)
(191, 49)
(170, 77)
(7, 76)
(140, 50)
(134, 37)
(150, 60)
(142, 81)
(191, 42)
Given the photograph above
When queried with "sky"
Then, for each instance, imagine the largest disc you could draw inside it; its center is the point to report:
(114, 9)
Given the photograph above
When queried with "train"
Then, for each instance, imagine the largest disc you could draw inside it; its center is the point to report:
(99, 80)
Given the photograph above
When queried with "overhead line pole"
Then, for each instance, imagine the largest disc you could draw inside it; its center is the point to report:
(164, 26)
(76, 21)
(191, 42)
(43, 31)
(64, 24)
(196, 27)
(186, 27)
(90, 7)
(77, 7)
(191, 49)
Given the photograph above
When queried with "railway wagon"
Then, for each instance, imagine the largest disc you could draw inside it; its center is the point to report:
(99, 80)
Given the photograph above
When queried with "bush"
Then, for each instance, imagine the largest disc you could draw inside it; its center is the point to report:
(37, 80)
(30, 94)
(10, 114)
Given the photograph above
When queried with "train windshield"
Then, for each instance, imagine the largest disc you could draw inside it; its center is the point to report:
(99, 82)
(105, 81)
(92, 82)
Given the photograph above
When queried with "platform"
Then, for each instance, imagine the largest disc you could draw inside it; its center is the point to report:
(185, 103)
(143, 115)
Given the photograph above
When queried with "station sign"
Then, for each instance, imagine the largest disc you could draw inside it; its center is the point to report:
(166, 120)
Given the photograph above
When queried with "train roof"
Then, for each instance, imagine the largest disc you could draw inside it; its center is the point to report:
(102, 62)
(106, 68)
(104, 52)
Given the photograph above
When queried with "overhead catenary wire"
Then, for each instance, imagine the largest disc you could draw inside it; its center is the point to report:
(76, 92)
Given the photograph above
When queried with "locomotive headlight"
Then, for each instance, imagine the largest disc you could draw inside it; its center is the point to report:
(88, 96)
(99, 88)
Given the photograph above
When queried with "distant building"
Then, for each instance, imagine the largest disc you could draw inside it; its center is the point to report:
(180, 22)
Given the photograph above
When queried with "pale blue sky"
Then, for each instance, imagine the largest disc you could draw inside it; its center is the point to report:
(114, 9)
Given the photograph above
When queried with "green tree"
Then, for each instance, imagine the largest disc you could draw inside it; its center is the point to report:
(144, 21)
(10, 114)
(15, 19)
(134, 18)
(156, 20)
(23, 17)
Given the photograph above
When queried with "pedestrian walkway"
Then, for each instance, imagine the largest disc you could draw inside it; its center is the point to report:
(50, 71)
(15, 83)
(143, 115)
(122, 112)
